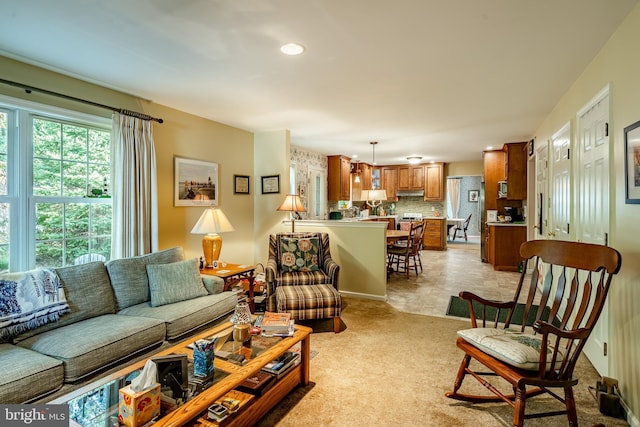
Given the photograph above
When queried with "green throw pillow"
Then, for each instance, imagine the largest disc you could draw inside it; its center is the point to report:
(299, 254)
(178, 281)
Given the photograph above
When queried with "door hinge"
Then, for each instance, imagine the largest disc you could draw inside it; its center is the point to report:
(568, 228)
(568, 153)
(606, 239)
(606, 129)
(604, 349)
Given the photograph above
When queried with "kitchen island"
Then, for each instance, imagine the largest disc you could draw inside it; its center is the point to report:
(359, 248)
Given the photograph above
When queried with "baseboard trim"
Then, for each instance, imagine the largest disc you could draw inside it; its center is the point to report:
(631, 418)
(364, 296)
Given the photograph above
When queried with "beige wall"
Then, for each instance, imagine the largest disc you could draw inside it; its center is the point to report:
(617, 65)
(182, 135)
(272, 150)
(474, 168)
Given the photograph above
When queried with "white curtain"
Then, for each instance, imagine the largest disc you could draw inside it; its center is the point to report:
(135, 199)
(453, 193)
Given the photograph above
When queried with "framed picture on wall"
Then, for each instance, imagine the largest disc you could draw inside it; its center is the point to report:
(474, 195)
(632, 162)
(270, 184)
(195, 183)
(241, 184)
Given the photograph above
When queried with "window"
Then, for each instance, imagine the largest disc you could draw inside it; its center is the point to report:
(55, 172)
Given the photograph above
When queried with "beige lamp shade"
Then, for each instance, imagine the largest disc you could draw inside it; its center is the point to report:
(211, 222)
(292, 203)
(377, 195)
(374, 199)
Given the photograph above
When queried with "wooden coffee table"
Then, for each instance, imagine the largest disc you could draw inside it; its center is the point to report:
(228, 377)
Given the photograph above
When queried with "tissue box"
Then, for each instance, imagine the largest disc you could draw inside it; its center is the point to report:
(138, 408)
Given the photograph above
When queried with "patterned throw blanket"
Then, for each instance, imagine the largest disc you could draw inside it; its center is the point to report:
(28, 300)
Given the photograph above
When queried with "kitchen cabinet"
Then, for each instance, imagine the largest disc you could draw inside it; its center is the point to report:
(435, 234)
(503, 243)
(434, 182)
(390, 220)
(365, 176)
(508, 164)
(494, 171)
(389, 181)
(339, 178)
(516, 170)
(411, 177)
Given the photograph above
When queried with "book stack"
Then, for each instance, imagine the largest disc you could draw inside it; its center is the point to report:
(275, 324)
(257, 383)
(282, 364)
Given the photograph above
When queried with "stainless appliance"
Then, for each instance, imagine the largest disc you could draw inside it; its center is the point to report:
(502, 189)
(408, 217)
(483, 224)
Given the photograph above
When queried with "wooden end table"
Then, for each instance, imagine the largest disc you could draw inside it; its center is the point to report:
(232, 274)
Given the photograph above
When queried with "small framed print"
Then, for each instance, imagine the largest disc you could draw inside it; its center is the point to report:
(473, 195)
(632, 162)
(195, 183)
(270, 184)
(241, 184)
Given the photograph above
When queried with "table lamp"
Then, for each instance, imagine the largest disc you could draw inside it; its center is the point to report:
(292, 204)
(211, 222)
(374, 195)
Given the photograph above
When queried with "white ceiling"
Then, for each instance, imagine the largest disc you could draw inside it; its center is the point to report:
(442, 79)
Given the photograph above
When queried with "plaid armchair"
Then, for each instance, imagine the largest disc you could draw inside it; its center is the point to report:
(297, 259)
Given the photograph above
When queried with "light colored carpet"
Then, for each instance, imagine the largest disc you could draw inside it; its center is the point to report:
(390, 368)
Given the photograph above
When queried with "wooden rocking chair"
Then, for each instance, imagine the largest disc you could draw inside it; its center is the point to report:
(568, 287)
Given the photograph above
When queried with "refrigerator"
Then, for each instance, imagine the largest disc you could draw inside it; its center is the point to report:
(483, 223)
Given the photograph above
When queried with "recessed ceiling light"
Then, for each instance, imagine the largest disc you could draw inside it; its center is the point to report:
(292, 49)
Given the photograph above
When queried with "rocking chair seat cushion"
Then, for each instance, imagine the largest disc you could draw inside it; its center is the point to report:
(514, 348)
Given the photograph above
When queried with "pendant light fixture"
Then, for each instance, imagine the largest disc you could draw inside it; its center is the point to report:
(356, 172)
(373, 146)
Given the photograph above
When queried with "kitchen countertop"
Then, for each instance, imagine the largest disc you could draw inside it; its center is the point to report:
(507, 224)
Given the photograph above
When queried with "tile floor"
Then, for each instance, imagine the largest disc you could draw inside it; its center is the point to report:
(446, 273)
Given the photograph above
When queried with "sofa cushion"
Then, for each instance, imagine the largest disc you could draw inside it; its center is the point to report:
(94, 344)
(213, 284)
(299, 254)
(178, 281)
(27, 374)
(88, 293)
(129, 275)
(515, 348)
(186, 316)
(30, 299)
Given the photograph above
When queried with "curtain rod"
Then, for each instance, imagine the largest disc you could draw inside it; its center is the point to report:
(30, 89)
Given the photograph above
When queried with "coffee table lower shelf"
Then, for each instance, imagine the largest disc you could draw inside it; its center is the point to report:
(259, 406)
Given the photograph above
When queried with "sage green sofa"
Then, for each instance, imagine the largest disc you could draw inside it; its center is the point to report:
(118, 309)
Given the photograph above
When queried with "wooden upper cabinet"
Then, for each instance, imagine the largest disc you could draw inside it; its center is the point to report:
(516, 170)
(410, 177)
(494, 164)
(508, 164)
(365, 175)
(339, 178)
(434, 182)
(389, 181)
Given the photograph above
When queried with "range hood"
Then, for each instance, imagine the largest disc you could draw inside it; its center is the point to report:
(409, 193)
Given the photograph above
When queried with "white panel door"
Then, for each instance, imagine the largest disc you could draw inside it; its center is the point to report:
(560, 205)
(317, 194)
(540, 222)
(592, 204)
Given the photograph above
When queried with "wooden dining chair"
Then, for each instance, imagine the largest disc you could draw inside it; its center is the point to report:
(407, 256)
(534, 347)
(462, 228)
